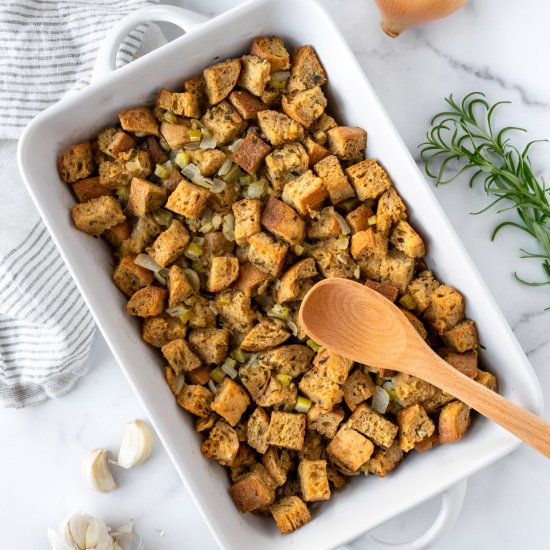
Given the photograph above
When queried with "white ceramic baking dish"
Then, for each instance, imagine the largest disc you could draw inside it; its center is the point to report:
(365, 503)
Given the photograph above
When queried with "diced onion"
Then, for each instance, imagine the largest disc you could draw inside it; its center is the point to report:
(211, 386)
(341, 243)
(218, 185)
(302, 404)
(293, 328)
(298, 250)
(253, 130)
(143, 260)
(229, 367)
(225, 167)
(169, 116)
(208, 143)
(380, 400)
(163, 217)
(285, 379)
(341, 258)
(357, 272)
(408, 301)
(176, 311)
(179, 382)
(198, 240)
(235, 145)
(228, 228)
(217, 374)
(280, 76)
(193, 173)
(160, 278)
(217, 221)
(193, 278)
(256, 190)
(344, 227)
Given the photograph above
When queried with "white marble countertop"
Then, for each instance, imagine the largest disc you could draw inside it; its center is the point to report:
(495, 46)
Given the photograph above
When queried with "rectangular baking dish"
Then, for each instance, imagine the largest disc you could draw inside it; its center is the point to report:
(364, 503)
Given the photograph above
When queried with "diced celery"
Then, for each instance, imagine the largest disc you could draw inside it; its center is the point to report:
(407, 301)
(224, 300)
(247, 179)
(239, 355)
(159, 113)
(162, 216)
(193, 251)
(285, 379)
(233, 175)
(277, 85)
(123, 193)
(195, 135)
(206, 228)
(313, 345)
(298, 250)
(197, 267)
(184, 317)
(161, 171)
(169, 116)
(279, 311)
(217, 374)
(182, 159)
(302, 404)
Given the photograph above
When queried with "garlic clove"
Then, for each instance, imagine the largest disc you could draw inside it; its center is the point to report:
(98, 536)
(96, 471)
(400, 15)
(137, 444)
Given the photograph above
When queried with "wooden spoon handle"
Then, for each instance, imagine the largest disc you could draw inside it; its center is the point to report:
(525, 425)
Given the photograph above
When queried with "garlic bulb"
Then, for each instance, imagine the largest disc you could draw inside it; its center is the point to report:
(136, 446)
(399, 15)
(96, 471)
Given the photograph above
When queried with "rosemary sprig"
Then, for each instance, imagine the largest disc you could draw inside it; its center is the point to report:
(465, 134)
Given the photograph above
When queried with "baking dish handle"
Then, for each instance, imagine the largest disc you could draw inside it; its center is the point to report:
(451, 505)
(186, 20)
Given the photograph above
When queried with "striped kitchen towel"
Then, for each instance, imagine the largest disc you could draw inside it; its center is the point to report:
(48, 48)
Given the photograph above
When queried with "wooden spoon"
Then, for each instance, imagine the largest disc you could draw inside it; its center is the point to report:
(357, 322)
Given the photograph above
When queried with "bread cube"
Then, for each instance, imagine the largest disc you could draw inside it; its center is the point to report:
(215, 244)
(209, 161)
(235, 310)
(326, 225)
(210, 344)
(294, 281)
(368, 242)
(320, 389)
(306, 70)
(144, 197)
(437, 401)
(465, 362)
(255, 378)
(147, 302)
(224, 122)
(201, 376)
(267, 254)
(286, 164)
(197, 86)
(132, 164)
(278, 395)
(367, 421)
(283, 221)
(279, 128)
(196, 400)
(358, 387)
(313, 480)
(305, 106)
(254, 74)
(267, 334)
(348, 143)
(315, 151)
(76, 162)
(140, 120)
(305, 194)
(247, 219)
(145, 229)
(90, 188)
(130, 277)
(407, 240)
(170, 244)
(388, 291)
(272, 49)
(462, 337)
(112, 142)
(454, 420)
(368, 178)
(287, 430)
(220, 79)
(333, 366)
(325, 422)
(446, 308)
(397, 269)
(487, 379)
(254, 490)
(416, 323)
(421, 289)
(206, 424)
(414, 425)
(290, 513)
(159, 331)
(250, 279)
(201, 313)
(247, 105)
(222, 444)
(384, 461)
(370, 267)
(332, 261)
(180, 356)
(411, 390)
(117, 234)
(230, 401)
(188, 199)
(250, 154)
(224, 270)
(390, 209)
(320, 128)
(334, 179)
(427, 443)
(151, 146)
(293, 359)
(277, 462)
(256, 431)
(179, 287)
(184, 103)
(97, 215)
(350, 448)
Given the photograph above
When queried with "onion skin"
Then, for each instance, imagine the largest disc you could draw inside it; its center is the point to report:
(400, 15)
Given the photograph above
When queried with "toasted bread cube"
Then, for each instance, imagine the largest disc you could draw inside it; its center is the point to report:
(256, 430)
(90, 188)
(197, 86)
(180, 356)
(411, 390)
(320, 128)
(184, 103)
(112, 142)
(170, 244)
(421, 289)
(326, 226)
(200, 376)
(250, 279)
(368, 242)
(320, 389)
(315, 151)
(293, 359)
(370, 267)
(390, 209)
(416, 323)
(145, 229)
(206, 424)
(277, 462)
(224, 271)
(188, 199)
(462, 337)
(195, 399)
(76, 162)
(348, 143)
(446, 308)
(333, 262)
(267, 334)
(294, 281)
(117, 234)
(254, 74)
(224, 122)
(414, 426)
(384, 461)
(287, 430)
(230, 401)
(406, 239)
(388, 291)
(325, 422)
(283, 221)
(267, 254)
(209, 161)
(437, 401)
(234, 308)
(144, 197)
(286, 164)
(368, 178)
(334, 179)
(335, 478)
(151, 146)
(427, 443)
(358, 387)
(222, 444)
(350, 448)
(313, 480)
(465, 362)
(397, 269)
(272, 49)
(179, 287)
(279, 128)
(333, 366)
(210, 344)
(305, 194)
(220, 79)
(253, 490)
(247, 219)
(128, 165)
(305, 106)
(147, 302)
(140, 120)
(201, 313)
(159, 331)
(290, 513)
(278, 395)
(487, 379)
(454, 420)
(247, 105)
(215, 244)
(97, 215)
(176, 134)
(250, 154)
(372, 424)
(306, 70)
(130, 277)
